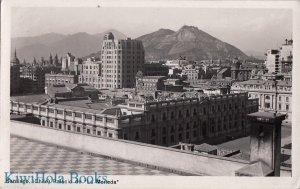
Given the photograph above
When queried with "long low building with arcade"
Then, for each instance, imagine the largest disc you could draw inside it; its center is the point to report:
(163, 121)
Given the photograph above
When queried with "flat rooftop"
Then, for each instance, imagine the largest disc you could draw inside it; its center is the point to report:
(32, 98)
(29, 156)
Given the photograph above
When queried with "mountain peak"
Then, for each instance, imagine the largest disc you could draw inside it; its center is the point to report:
(187, 33)
(186, 27)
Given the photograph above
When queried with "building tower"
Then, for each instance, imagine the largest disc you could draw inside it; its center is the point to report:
(235, 68)
(56, 60)
(34, 61)
(50, 59)
(15, 74)
(121, 60)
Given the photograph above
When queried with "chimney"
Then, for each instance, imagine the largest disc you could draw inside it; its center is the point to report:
(265, 145)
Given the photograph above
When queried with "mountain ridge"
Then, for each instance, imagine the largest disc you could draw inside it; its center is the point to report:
(188, 41)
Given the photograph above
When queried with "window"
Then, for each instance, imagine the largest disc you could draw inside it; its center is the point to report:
(152, 132)
(99, 118)
(179, 127)
(51, 124)
(187, 126)
(137, 136)
(110, 135)
(78, 129)
(287, 107)
(179, 114)
(279, 106)
(59, 125)
(180, 137)
(279, 98)
(98, 132)
(164, 140)
(69, 127)
(88, 131)
(164, 130)
(172, 138)
(187, 135)
(59, 112)
(187, 113)
(267, 97)
(172, 115)
(164, 116)
(43, 122)
(267, 105)
(125, 136)
(195, 133)
(195, 112)
(172, 129)
(88, 116)
(68, 113)
(152, 118)
(287, 99)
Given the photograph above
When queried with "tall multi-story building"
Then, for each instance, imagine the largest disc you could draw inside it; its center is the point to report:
(121, 60)
(286, 56)
(91, 73)
(15, 74)
(272, 61)
(67, 61)
(280, 61)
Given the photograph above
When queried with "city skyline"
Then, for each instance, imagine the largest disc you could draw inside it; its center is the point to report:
(175, 81)
(241, 31)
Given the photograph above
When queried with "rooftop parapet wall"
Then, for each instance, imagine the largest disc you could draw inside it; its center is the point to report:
(198, 164)
(163, 157)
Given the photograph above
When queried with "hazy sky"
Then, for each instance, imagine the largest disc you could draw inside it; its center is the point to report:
(247, 29)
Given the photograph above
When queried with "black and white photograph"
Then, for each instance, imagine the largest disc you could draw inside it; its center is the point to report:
(99, 92)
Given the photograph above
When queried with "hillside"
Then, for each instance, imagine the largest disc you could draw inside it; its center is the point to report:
(188, 41)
